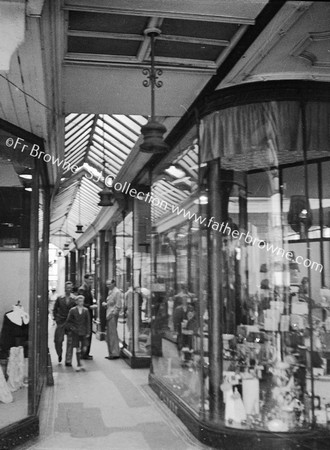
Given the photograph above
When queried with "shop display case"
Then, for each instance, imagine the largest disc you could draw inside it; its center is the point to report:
(24, 205)
(132, 244)
(240, 288)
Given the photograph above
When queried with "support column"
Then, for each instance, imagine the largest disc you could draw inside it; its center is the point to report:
(102, 269)
(80, 266)
(73, 267)
(216, 299)
(67, 268)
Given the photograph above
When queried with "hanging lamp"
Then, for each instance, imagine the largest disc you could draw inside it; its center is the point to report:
(106, 195)
(300, 214)
(153, 131)
(79, 227)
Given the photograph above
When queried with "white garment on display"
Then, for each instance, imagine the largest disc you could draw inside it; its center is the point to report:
(235, 409)
(5, 394)
(251, 395)
(18, 316)
(15, 369)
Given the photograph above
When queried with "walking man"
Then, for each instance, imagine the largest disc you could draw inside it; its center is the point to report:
(78, 323)
(86, 290)
(61, 310)
(113, 305)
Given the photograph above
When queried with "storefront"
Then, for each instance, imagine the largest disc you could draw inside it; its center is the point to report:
(121, 252)
(24, 206)
(241, 269)
(131, 243)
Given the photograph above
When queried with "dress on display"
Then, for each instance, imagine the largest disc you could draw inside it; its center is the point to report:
(5, 394)
(15, 331)
(14, 346)
(15, 369)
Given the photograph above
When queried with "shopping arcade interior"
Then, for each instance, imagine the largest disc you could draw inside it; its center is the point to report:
(85, 146)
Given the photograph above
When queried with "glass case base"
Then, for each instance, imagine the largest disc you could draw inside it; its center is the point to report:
(19, 432)
(225, 438)
(135, 362)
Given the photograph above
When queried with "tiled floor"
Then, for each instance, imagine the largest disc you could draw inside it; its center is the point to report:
(110, 406)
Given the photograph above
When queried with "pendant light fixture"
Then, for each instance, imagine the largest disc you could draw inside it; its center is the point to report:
(153, 131)
(300, 214)
(79, 227)
(106, 195)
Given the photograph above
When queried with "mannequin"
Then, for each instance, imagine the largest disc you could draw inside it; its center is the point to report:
(15, 330)
(18, 316)
(14, 346)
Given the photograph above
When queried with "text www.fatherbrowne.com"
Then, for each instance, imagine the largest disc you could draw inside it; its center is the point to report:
(223, 227)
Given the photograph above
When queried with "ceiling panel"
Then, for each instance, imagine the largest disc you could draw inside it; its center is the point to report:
(99, 46)
(185, 50)
(109, 23)
(200, 29)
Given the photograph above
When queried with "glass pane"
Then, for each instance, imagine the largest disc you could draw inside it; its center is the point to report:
(295, 201)
(16, 176)
(177, 303)
(139, 294)
(326, 198)
(270, 300)
(124, 255)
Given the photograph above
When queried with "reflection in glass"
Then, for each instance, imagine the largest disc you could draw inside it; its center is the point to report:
(15, 207)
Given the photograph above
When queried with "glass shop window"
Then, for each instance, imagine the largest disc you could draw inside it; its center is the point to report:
(16, 175)
(177, 300)
(139, 297)
(276, 316)
(131, 315)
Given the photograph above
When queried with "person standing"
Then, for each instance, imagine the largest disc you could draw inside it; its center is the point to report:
(86, 291)
(61, 310)
(79, 324)
(113, 305)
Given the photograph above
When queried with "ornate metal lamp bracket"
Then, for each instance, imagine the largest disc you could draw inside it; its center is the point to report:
(151, 72)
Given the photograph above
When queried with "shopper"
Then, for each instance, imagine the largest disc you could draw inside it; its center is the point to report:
(61, 310)
(86, 291)
(78, 323)
(114, 306)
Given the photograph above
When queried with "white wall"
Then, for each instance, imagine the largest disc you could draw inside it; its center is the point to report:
(14, 280)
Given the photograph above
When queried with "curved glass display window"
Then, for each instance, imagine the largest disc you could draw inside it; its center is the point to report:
(241, 288)
(265, 187)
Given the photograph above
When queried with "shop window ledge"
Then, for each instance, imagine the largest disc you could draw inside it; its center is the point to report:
(19, 432)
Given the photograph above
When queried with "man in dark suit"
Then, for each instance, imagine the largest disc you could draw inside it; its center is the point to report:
(86, 290)
(78, 323)
(61, 310)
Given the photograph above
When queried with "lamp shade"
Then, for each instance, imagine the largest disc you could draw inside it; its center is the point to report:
(299, 213)
(106, 197)
(153, 138)
(79, 229)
